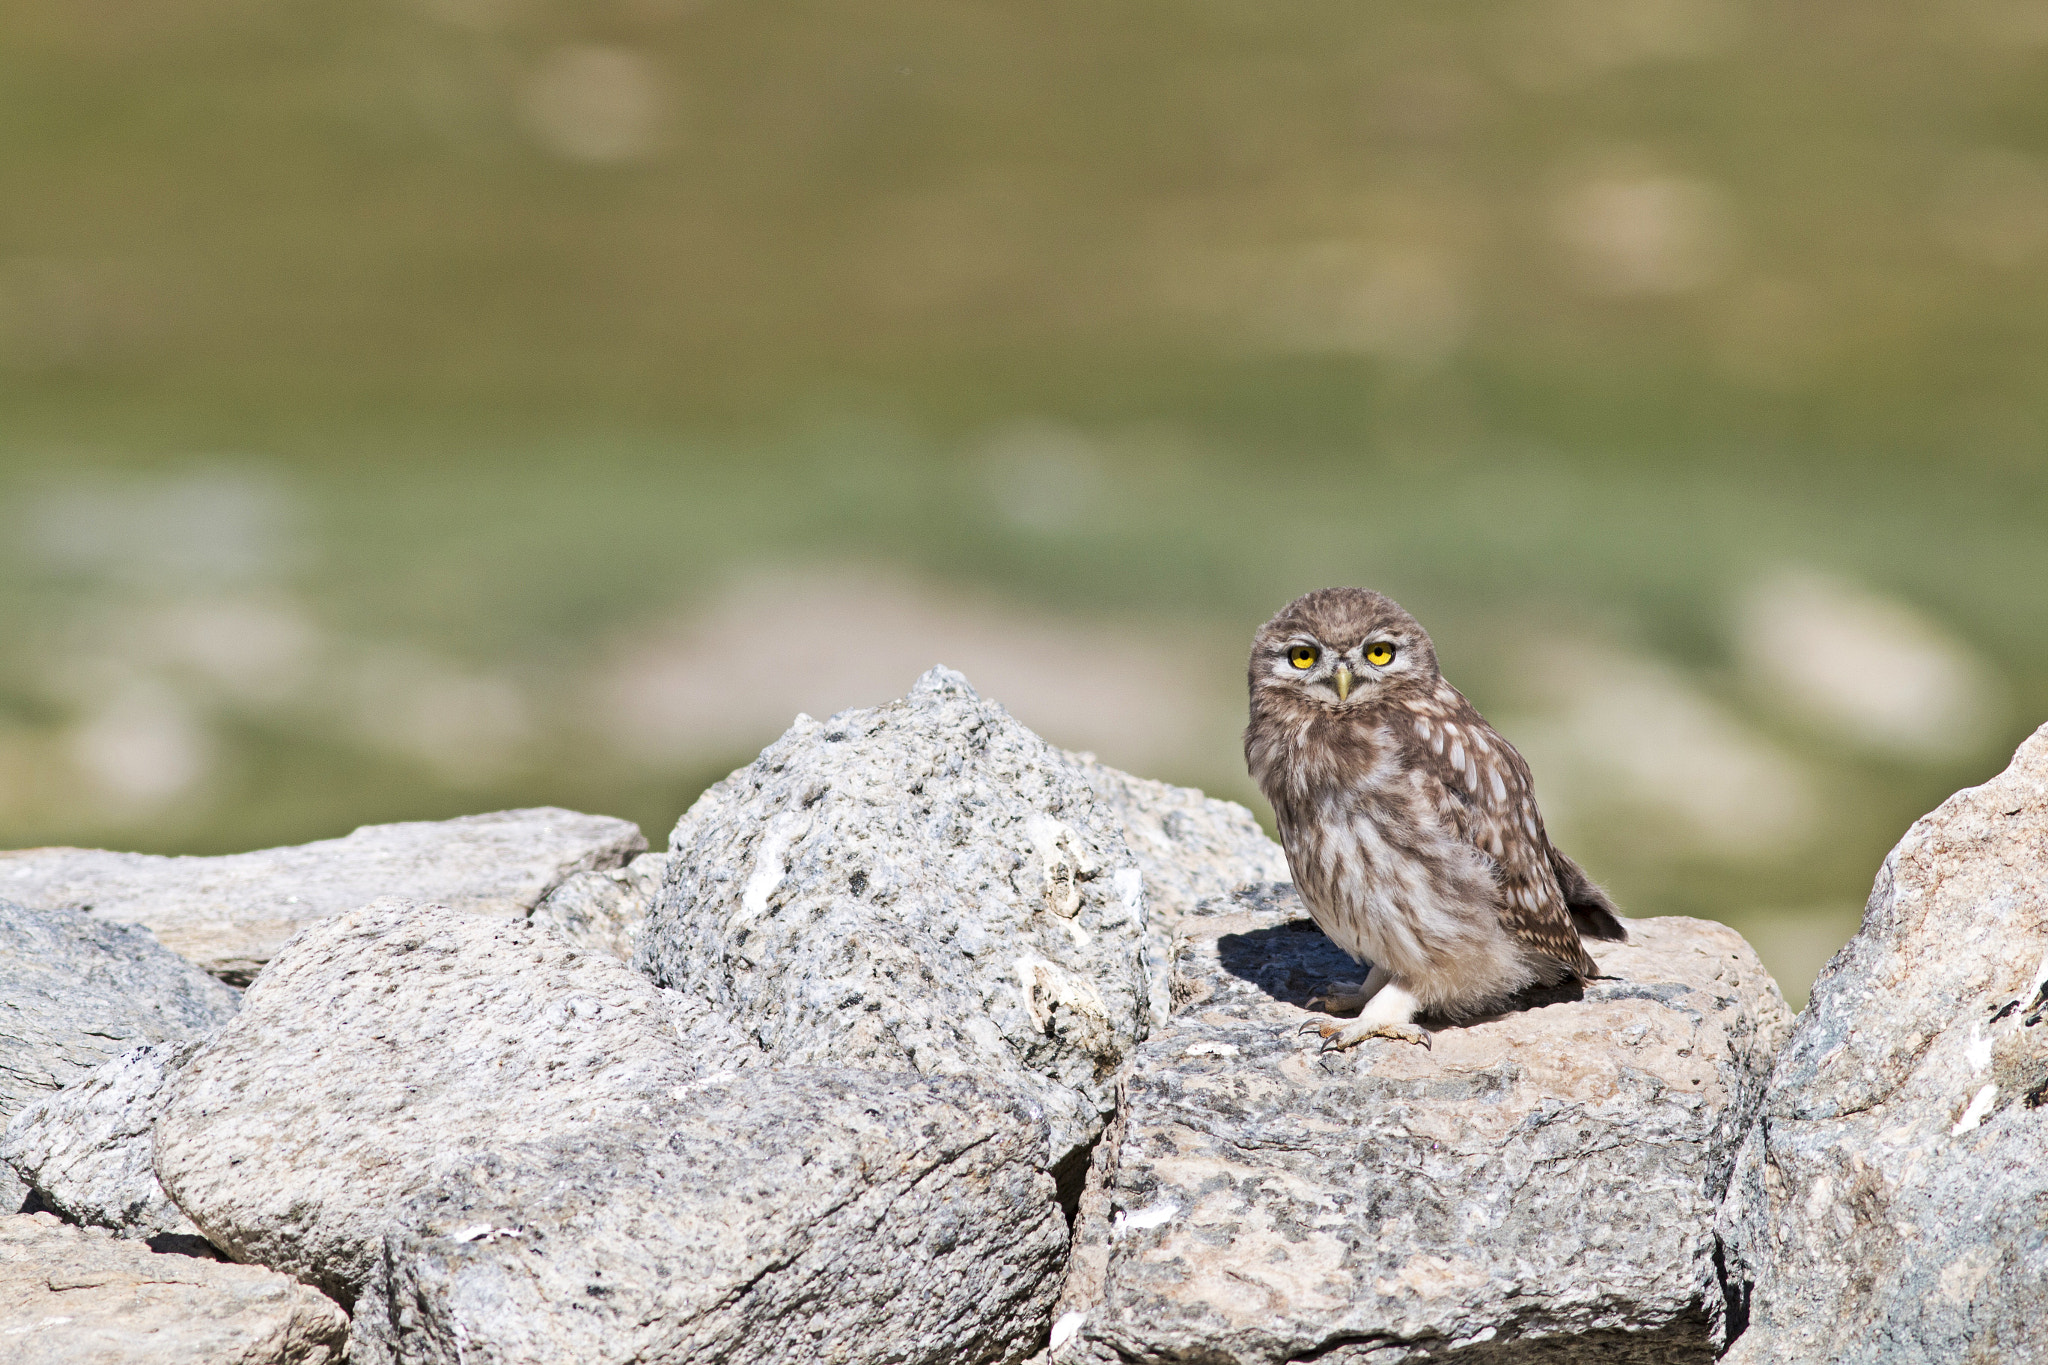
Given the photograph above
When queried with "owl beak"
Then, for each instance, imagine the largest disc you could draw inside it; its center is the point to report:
(1343, 682)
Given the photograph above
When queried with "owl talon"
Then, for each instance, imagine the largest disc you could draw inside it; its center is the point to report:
(1337, 1037)
(1341, 997)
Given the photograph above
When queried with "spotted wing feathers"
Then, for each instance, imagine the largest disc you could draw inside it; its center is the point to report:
(1490, 799)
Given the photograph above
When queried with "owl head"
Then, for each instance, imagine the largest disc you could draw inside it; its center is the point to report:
(1342, 648)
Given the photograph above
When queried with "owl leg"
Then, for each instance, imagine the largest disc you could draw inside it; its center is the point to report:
(1342, 997)
(1391, 1014)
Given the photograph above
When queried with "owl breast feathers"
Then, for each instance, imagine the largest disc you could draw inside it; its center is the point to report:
(1410, 825)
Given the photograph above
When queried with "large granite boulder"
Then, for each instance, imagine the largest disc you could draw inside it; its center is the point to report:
(76, 992)
(89, 1151)
(79, 1296)
(787, 1216)
(1891, 1204)
(1536, 1186)
(231, 914)
(1189, 845)
(925, 886)
(385, 1046)
(492, 1144)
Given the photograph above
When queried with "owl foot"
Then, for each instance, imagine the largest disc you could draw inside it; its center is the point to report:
(1340, 997)
(1390, 1013)
(1348, 997)
(1337, 1037)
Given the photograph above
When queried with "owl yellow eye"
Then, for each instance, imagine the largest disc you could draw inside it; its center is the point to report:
(1379, 655)
(1302, 656)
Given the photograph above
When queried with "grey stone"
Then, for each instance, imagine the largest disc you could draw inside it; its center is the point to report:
(604, 911)
(79, 1296)
(1891, 1204)
(387, 1044)
(923, 886)
(858, 1218)
(1537, 1186)
(76, 992)
(231, 914)
(89, 1150)
(1191, 847)
(459, 1126)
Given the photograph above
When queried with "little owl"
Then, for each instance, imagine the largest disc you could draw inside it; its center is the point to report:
(1410, 825)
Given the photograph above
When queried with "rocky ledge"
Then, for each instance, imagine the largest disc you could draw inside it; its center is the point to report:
(1537, 1185)
(925, 1041)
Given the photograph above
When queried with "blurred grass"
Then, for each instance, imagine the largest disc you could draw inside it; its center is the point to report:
(1554, 318)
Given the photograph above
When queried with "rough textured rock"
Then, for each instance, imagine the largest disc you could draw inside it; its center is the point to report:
(1538, 1186)
(1892, 1202)
(604, 911)
(923, 886)
(864, 1218)
(79, 1296)
(89, 1150)
(1189, 846)
(386, 1045)
(414, 1103)
(75, 992)
(231, 915)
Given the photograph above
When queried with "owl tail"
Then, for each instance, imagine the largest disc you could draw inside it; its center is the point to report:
(1592, 911)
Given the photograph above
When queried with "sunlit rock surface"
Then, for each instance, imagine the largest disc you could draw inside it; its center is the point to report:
(492, 1145)
(231, 914)
(1890, 1204)
(75, 992)
(89, 1151)
(924, 886)
(80, 1296)
(1536, 1186)
(1189, 845)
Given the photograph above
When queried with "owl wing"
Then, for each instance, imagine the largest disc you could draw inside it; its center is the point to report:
(1491, 802)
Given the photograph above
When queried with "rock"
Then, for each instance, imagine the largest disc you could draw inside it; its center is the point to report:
(924, 886)
(231, 914)
(604, 911)
(1191, 847)
(863, 1218)
(75, 992)
(391, 1043)
(471, 1132)
(1889, 1205)
(79, 1296)
(1540, 1184)
(89, 1150)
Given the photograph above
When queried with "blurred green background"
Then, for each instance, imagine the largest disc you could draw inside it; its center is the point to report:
(412, 407)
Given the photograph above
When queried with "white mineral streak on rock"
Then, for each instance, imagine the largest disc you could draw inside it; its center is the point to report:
(1157, 1216)
(1868, 1220)
(1211, 1049)
(1535, 1181)
(1977, 1052)
(1973, 1113)
(231, 914)
(80, 1296)
(925, 857)
(1064, 864)
(771, 862)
